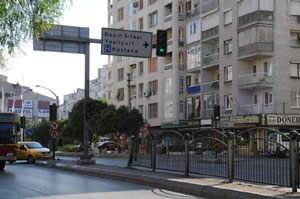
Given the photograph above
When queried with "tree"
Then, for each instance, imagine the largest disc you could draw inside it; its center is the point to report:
(76, 119)
(40, 132)
(23, 20)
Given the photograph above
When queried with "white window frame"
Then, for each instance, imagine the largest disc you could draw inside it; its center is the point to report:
(227, 16)
(153, 19)
(295, 68)
(228, 46)
(228, 73)
(168, 85)
(295, 8)
(228, 99)
(268, 99)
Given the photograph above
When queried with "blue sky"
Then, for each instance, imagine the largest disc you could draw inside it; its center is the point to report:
(62, 72)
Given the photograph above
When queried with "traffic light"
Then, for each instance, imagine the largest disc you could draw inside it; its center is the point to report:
(53, 112)
(217, 115)
(89, 109)
(23, 122)
(161, 43)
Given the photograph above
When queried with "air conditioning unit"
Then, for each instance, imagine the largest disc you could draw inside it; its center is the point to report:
(136, 4)
(147, 94)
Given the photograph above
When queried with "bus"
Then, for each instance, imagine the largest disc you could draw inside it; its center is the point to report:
(8, 138)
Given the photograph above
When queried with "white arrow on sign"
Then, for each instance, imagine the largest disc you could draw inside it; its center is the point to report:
(54, 134)
(54, 125)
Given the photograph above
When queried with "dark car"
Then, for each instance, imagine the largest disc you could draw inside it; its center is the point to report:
(108, 145)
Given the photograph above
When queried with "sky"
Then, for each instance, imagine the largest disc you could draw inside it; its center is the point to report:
(62, 73)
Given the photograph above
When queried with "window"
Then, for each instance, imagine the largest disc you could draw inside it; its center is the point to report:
(228, 102)
(268, 67)
(168, 109)
(153, 19)
(153, 86)
(295, 99)
(153, 110)
(152, 65)
(181, 106)
(268, 99)
(210, 21)
(141, 107)
(228, 46)
(295, 7)
(181, 85)
(193, 57)
(109, 95)
(254, 35)
(141, 68)
(132, 9)
(295, 69)
(141, 4)
(228, 73)
(188, 81)
(120, 74)
(255, 100)
(132, 25)
(141, 90)
(152, 2)
(120, 14)
(168, 85)
(120, 94)
(141, 23)
(193, 31)
(295, 38)
(228, 17)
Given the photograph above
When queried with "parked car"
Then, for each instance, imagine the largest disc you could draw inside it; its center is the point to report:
(103, 139)
(32, 151)
(108, 145)
(280, 144)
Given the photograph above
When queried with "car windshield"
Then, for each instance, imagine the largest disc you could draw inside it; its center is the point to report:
(34, 145)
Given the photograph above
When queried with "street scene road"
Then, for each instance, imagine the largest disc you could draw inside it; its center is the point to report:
(22, 180)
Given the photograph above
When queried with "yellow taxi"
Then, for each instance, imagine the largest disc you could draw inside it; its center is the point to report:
(32, 151)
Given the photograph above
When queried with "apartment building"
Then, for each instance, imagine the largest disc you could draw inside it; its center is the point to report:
(241, 54)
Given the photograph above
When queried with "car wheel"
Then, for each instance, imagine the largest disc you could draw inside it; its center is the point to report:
(11, 161)
(30, 160)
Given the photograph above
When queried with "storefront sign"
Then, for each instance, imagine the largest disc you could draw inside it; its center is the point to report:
(283, 120)
(249, 119)
(27, 103)
(26, 112)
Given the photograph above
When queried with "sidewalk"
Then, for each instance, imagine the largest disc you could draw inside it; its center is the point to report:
(197, 186)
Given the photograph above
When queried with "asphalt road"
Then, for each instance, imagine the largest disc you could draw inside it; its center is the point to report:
(21, 180)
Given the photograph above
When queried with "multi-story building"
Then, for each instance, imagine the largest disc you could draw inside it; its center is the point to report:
(241, 54)
(69, 101)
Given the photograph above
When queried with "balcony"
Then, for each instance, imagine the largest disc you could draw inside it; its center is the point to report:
(256, 16)
(255, 81)
(210, 86)
(192, 13)
(168, 18)
(249, 109)
(207, 113)
(210, 59)
(210, 33)
(168, 66)
(180, 42)
(256, 50)
(181, 66)
(194, 89)
(209, 5)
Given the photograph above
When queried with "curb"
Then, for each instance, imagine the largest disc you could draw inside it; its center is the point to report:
(146, 180)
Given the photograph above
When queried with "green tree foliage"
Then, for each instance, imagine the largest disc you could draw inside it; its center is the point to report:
(40, 132)
(23, 20)
(76, 120)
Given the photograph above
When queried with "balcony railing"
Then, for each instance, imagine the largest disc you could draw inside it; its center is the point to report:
(209, 5)
(256, 79)
(194, 89)
(210, 59)
(258, 15)
(210, 32)
(180, 42)
(256, 48)
(192, 13)
(168, 66)
(168, 18)
(181, 66)
(210, 86)
(248, 109)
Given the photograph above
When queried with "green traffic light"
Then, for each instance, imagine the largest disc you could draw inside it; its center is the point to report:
(217, 117)
(161, 50)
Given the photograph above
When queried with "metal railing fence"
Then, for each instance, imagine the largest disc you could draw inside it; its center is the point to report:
(259, 154)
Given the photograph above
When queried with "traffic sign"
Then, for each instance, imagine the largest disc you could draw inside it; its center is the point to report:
(63, 39)
(28, 132)
(225, 124)
(54, 134)
(126, 43)
(54, 125)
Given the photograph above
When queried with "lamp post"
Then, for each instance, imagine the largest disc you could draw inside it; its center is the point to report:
(57, 99)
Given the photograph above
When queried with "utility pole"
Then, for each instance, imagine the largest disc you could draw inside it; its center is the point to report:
(129, 75)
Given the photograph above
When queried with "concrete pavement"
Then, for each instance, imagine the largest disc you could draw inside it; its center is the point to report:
(194, 185)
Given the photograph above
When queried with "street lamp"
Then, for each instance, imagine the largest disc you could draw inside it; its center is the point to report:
(57, 99)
